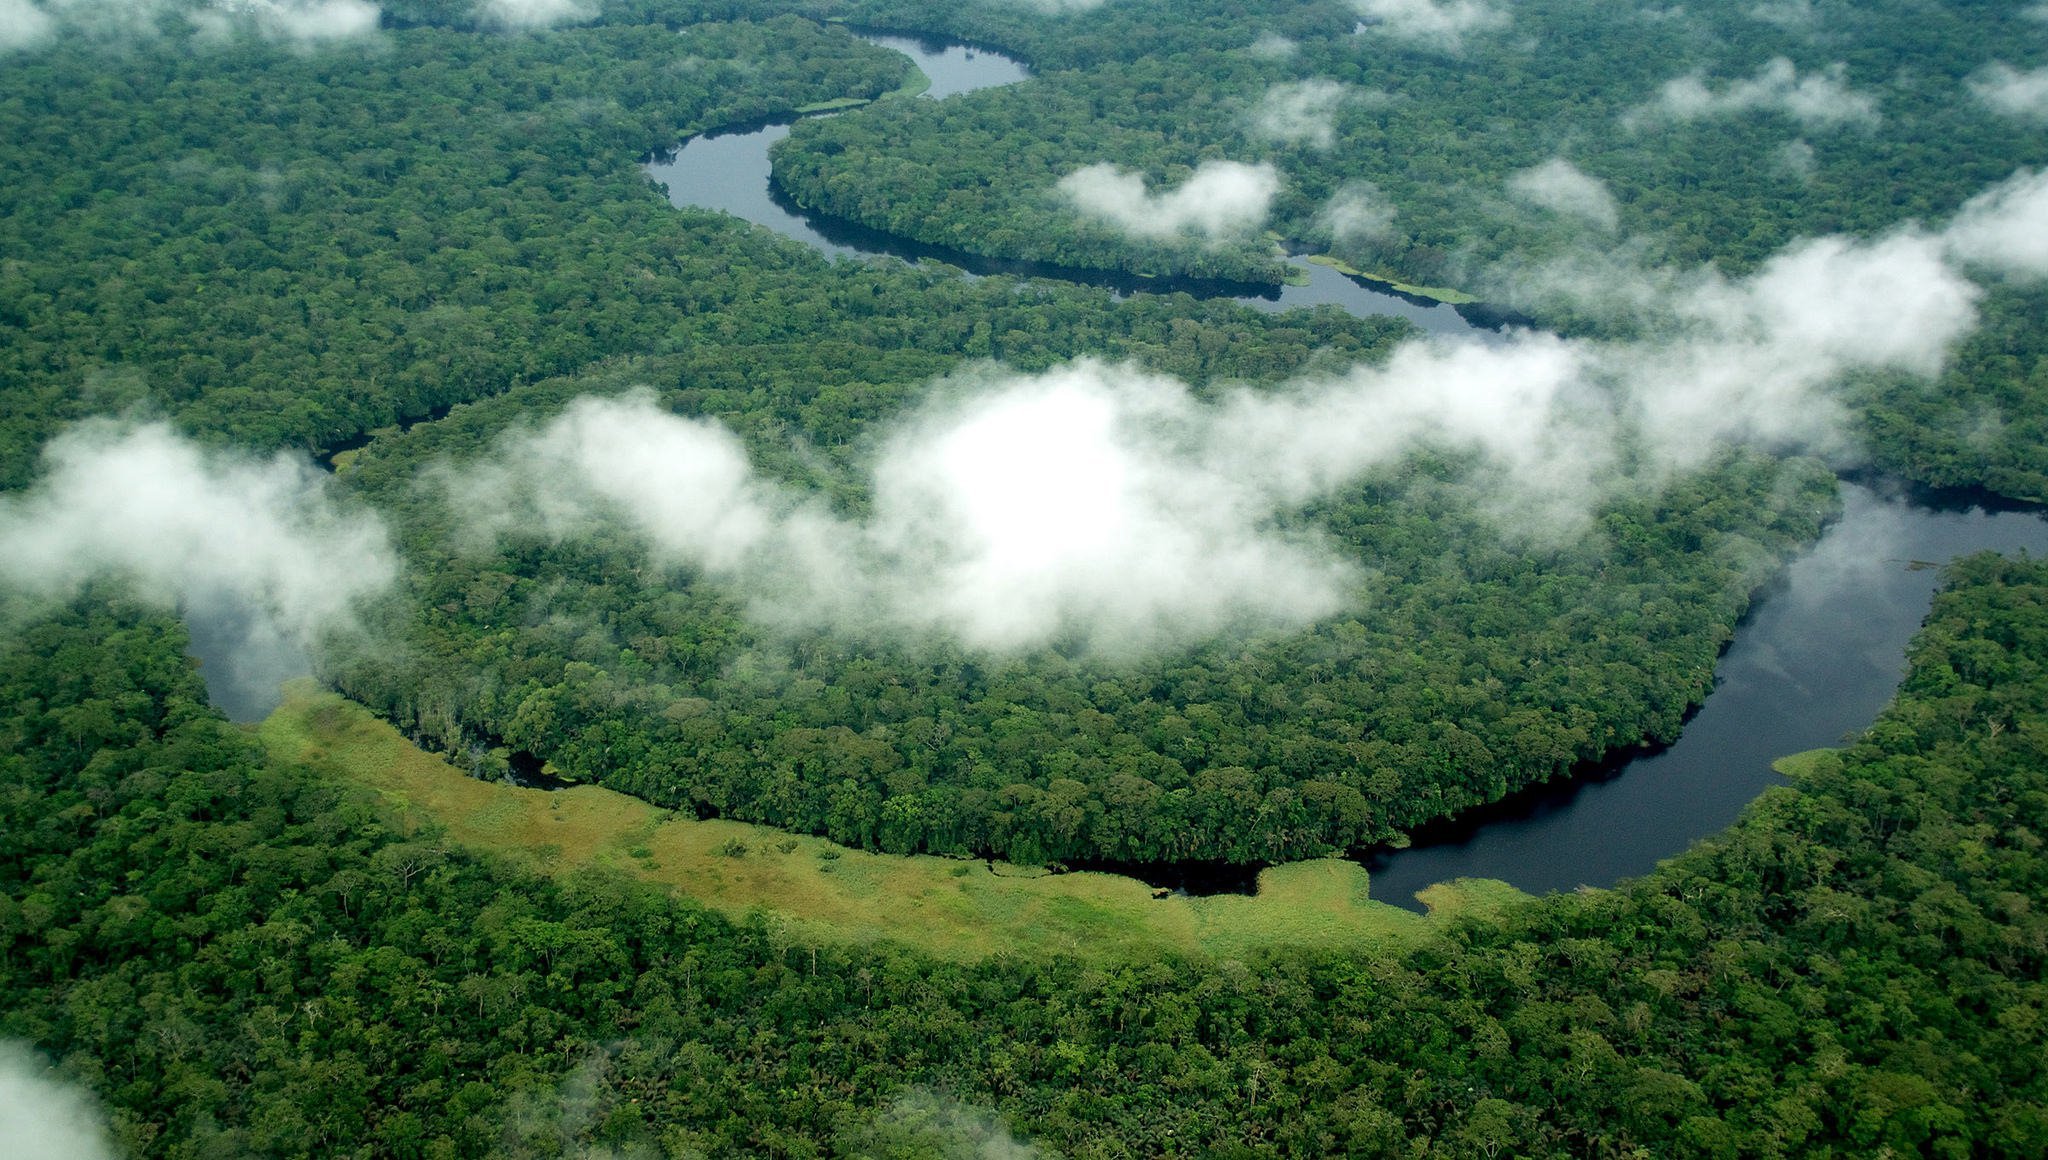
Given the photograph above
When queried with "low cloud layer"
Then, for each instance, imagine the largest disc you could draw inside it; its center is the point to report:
(1438, 23)
(1104, 505)
(2012, 92)
(23, 25)
(42, 1115)
(1357, 212)
(256, 552)
(2005, 228)
(1562, 188)
(531, 14)
(306, 23)
(1301, 113)
(1221, 198)
(1035, 508)
(1273, 46)
(1816, 100)
(26, 24)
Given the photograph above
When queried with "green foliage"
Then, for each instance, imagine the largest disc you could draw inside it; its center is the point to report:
(237, 957)
(1472, 666)
(278, 248)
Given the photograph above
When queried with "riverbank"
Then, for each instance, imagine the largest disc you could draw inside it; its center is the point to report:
(955, 908)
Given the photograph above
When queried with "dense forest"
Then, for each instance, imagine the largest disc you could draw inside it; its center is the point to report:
(645, 496)
(240, 957)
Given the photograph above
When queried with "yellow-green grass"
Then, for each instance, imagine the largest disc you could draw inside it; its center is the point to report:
(1443, 294)
(1800, 766)
(836, 104)
(819, 890)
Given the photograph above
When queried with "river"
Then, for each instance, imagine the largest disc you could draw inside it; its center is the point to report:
(1817, 658)
(731, 172)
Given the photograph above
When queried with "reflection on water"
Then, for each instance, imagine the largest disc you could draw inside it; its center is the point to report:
(1815, 662)
(730, 172)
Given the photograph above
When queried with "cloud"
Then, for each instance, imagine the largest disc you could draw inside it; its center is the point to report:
(1273, 46)
(1104, 506)
(1795, 159)
(528, 14)
(1219, 199)
(2012, 92)
(1439, 23)
(23, 25)
(1027, 510)
(44, 1116)
(1357, 212)
(1560, 187)
(2005, 228)
(91, 19)
(1305, 112)
(927, 1123)
(306, 23)
(1056, 7)
(256, 550)
(1816, 100)
(1785, 13)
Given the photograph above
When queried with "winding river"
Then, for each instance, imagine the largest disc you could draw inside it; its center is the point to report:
(731, 172)
(1819, 655)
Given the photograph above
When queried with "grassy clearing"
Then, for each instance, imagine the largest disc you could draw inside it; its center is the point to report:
(1800, 766)
(1443, 294)
(961, 909)
(836, 104)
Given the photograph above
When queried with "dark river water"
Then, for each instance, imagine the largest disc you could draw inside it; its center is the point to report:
(731, 172)
(1817, 658)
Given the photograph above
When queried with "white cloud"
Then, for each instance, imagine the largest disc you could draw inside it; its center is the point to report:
(1785, 13)
(1273, 46)
(1074, 503)
(23, 25)
(1816, 100)
(2012, 92)
(44, 1117)
(1562, 188)
(1220, 198)
(528, 14)
(1440, 23)
(2005, 228)
(1305, 112)
(1357, 212)
(258, 544)
(1795, 158)
(1105, 505)
(306, 23)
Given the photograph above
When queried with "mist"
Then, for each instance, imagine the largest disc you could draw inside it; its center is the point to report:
(1562, 188)
(1304, 112)
(2007, 90)
(45, 1116)
(1220, 199)
(533, 14)
(257, 553)
(2005, 228)
(305, 23)
(1817, 100)
(1103, 507)
(23, 25)
(1357, 212)
(1273, 46)
(1438, 23)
